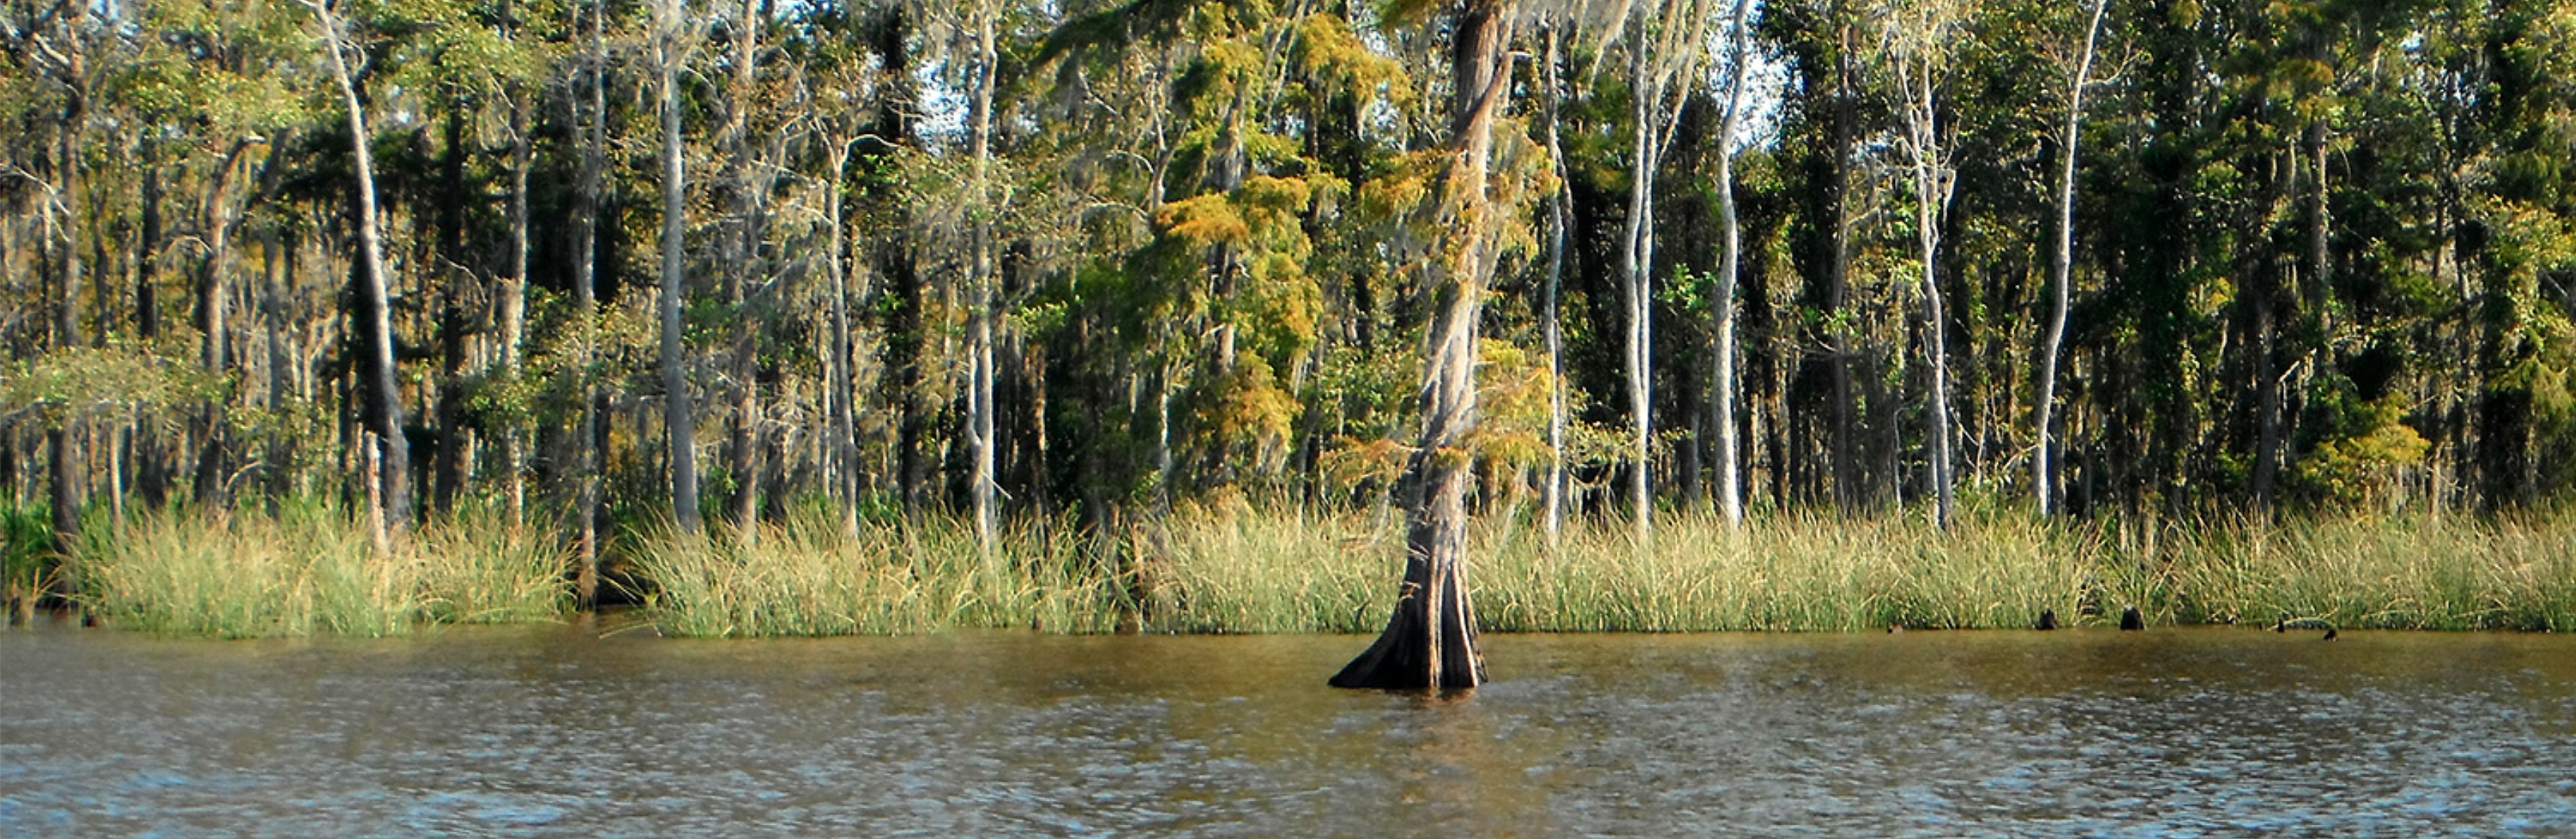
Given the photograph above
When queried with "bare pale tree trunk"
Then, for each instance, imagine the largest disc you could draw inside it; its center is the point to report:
(1430, 640)
(384, 389)
(679, 418)
(1636, 260)
(1722, 392)
(2061, 261)
(1919, 39)
(981, 296)
(1558, 216)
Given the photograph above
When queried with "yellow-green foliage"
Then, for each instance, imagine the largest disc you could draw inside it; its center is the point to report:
(311, 569)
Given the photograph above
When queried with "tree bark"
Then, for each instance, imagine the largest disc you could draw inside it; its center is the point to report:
(844, 356)
(981, 297)
(69, 469)
(1430, 640)
(750, 193)
(214, 299)
(679, 419)
(2060, 272)
(1842, 440)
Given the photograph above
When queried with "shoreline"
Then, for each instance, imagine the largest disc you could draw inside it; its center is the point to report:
(1232, 570)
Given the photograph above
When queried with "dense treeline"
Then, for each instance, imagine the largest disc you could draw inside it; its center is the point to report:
(1080, 261)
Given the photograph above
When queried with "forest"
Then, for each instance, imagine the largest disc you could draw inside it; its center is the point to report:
(616, 269)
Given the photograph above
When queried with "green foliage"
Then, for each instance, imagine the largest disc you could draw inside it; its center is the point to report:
(135, 383)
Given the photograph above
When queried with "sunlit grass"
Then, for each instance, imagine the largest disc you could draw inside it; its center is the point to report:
(1236, 567)
(1232, 568)
(2518, 572)
(311, 569)
(1793, 573)
(811, 576)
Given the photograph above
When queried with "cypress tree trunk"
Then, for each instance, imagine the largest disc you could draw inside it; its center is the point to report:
(1430, 640)
(1843, 442)
(1918, 61)
(214, 299)
(151, 474)
(844, 470)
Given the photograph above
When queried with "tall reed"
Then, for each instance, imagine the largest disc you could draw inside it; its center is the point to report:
(310, 568)
(2515, 572)
(811, 576)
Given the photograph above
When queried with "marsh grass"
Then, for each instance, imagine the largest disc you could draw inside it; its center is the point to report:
(1794, 573)
(26, 537)
(310, 569)
(811, 576)
(2516, 572)
(1229, 568)
(1232, 567)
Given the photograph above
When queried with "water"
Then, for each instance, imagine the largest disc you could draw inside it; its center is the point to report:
(554, 731)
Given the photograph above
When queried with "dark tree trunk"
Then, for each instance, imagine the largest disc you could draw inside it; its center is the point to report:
(588, 434)
(447, 461)
(63, 456)
(63, 444)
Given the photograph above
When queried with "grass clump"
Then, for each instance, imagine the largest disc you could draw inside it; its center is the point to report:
(311, 569)
(812, 575)
(1791, 572)
(1214, 569)
(2514, 572)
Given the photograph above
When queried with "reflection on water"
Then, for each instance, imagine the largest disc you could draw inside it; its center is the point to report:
(556, 732)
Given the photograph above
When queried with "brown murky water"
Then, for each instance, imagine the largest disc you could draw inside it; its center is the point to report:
(553, 731)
